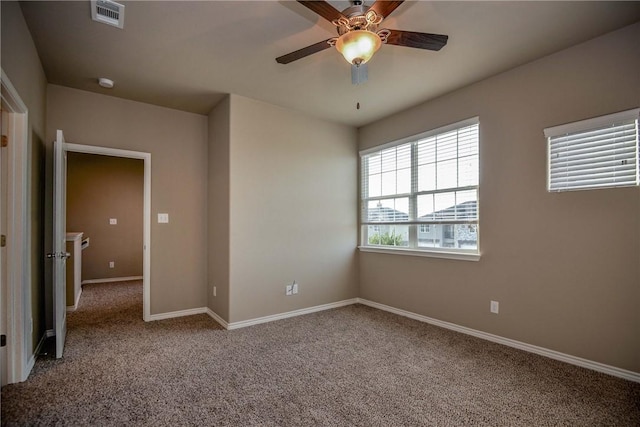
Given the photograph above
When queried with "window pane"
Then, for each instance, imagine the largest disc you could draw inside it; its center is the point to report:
(447, 147)
(404, 156)
(466, 236)
(468, 141)
(425, 207)
(375, 185)
(467, 205)
(427, 151)
(447, 174)
(454, 236)
(404, 181)
(389, 235)
(388, 210)
(388, 183)
(468, 171)
(427, 177)
(445, 206)
(373, 163)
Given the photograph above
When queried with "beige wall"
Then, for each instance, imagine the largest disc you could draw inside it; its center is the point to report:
(292, 210)
(177, 142)
(563, 266)
(100, 188)
(22, 65)
(218, 213)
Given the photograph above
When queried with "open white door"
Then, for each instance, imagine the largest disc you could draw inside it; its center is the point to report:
(59, 255)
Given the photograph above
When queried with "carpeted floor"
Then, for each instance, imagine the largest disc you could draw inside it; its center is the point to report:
(353, 366)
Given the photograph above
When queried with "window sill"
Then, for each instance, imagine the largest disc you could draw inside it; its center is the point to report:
(423, 253)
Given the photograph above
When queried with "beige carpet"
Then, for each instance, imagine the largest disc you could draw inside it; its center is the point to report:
(353, 366)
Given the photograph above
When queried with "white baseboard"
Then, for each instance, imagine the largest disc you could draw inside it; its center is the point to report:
(217, 318)
(552, 354)
(112, 279)
(294, 313)
(179, 313)
(74, 307)
(32, 360)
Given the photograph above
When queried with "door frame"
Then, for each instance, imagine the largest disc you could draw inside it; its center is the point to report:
(20, 355)
(146, 232)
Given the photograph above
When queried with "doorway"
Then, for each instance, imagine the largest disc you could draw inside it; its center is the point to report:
(146, 209)
(104, 221)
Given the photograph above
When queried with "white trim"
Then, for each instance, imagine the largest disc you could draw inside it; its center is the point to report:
(179, 313)
(592, 123)
(412, 138)
(18, 303)
(217, 318)
(32, 360)
(146, 233)
(288, 314)
(460, 256)
(112, 279)
(552, 354)
(74, 307)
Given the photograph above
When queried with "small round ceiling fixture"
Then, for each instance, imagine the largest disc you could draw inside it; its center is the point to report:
(104, 82)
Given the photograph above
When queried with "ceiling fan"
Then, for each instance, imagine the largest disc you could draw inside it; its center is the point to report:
(358, 34)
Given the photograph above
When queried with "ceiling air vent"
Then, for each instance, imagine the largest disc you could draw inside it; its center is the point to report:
(108, 12)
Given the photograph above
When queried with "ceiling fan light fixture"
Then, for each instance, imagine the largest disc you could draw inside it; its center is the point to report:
(358, 46)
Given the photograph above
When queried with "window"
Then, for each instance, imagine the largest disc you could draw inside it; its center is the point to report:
(421, 193)
(596, 153)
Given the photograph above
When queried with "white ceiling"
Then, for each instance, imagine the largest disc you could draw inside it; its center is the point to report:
(187, 55)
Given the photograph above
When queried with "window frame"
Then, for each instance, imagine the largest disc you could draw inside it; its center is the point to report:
(584, 127)
(414, 226)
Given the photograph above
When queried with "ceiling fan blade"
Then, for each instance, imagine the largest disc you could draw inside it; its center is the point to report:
(305, 51)
(384, 8)
(418, 40)
(323, 9)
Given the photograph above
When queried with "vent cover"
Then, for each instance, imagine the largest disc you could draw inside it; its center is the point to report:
(108, 12)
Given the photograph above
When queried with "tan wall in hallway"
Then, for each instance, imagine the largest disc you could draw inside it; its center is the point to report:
(563, 266)
(100, 188)
(177, 142)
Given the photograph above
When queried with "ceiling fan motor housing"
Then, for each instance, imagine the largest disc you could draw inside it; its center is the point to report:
(357, 17)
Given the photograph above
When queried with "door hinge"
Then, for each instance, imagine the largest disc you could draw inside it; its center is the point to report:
(3, 241)
(5, 141)
(3, 340)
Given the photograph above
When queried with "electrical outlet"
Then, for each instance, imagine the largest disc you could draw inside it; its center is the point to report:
(214, 291)
(288, 290)
(495, 307)
(294, 288)
(113, 221)
(112, 264)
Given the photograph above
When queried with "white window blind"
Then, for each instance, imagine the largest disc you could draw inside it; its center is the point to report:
(431, 178)
(596, 153)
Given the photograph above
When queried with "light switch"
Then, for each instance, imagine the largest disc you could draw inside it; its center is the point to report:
(113, 221)
(163, 218)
